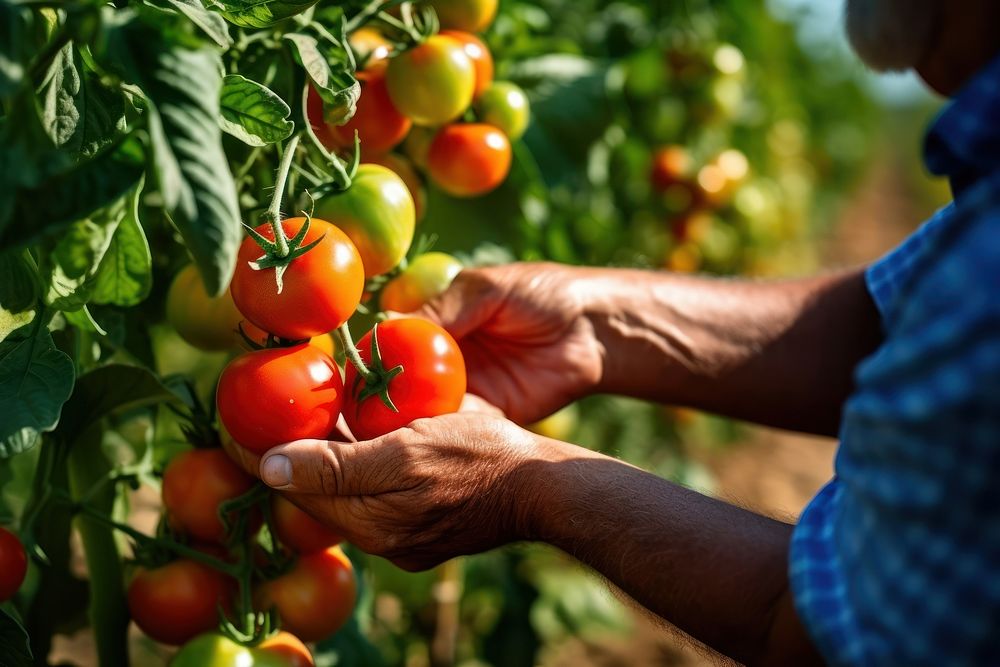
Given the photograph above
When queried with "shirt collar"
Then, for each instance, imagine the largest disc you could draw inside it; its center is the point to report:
(963, 143)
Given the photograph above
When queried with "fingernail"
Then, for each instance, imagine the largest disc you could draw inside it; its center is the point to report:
(276, 471)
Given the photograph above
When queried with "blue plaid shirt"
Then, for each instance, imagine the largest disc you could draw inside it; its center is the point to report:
(897, 560)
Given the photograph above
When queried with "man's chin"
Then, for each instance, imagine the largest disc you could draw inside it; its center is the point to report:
(890, 35)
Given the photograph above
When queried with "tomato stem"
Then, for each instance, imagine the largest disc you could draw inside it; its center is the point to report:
(352, 354)
(274, 210)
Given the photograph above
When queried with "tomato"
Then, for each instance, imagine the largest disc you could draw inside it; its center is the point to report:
(432, 382)
(432, 83)
(423, 279)
(297, 530)
(417, 144)
(469, 159)
(316, 597)
(270, 397)
(179, 600)
(479, 54)
(378, 122)
(194, 485)
(468, 15)
(370, 47)
(559, 425)
(404, 169)
(671, 165)
(505, 106)
(13, 564)
(207, 323)
(289, 648)
(215, 650)
(322, 288)
(377, 214)
(322, 342)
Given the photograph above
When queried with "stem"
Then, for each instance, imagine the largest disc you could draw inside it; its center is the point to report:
(352, 354)
(447, 594)
(274, 210)
(365, 15)
(391, 20)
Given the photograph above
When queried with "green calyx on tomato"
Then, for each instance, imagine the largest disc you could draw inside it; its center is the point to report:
(375, 381)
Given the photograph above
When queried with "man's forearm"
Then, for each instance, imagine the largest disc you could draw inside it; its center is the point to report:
(715, 571)
(777, 353)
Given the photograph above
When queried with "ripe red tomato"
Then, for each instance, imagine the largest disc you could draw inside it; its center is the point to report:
(316, 597)
(468, 15)
(13, 564)
(378, 122)
(175, 602)
(423, 279)
(322, 288)
(204, 322)
(195, 484)
(479, 54)
(297, 530)
(432, 382)
(270, 397)
(469, 159)
(377, 214)
(289, 648)
(505, 106)
(404, 169)
(432, 83)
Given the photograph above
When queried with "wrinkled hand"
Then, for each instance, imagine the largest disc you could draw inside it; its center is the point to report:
(528, 347)
(438, 488)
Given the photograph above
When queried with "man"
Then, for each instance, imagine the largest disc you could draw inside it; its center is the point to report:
(895, 562)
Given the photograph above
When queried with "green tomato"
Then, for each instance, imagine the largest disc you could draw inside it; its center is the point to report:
(427, 276)
(215, 650)
(376, 213)
(432, 83)
(505, 106)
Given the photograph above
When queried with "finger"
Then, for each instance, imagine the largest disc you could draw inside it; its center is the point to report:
(333, 468)
(471, 301)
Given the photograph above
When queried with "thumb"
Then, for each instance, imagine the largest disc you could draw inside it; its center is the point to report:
(470, 301)
(330, 468)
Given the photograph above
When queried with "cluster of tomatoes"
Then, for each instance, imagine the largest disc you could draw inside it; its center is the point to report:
(438, 100)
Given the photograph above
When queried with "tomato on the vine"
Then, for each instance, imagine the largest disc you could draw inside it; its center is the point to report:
(316, 597)
(369, 46)
(179, 600)
(13, 564)
(270, 397)
(322, 288)
(289, 648)
(468, 15)
(432, 382)
(215, 650)
(505, 106)
(432, 83)
(205, 322)
(378, 122)
(377, 214)
(403, 168)
(423, 279)
(469, 159)
(297, 530)
(417, 144)
(195, 484)
(479, 54)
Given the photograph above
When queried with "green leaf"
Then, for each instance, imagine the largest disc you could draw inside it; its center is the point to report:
(58, 94)
(18, 283)
(15, 48)
(35, 381)
(125, 275)
(84, 320)
(261, 13)
(335, 84)
(210, 23)
(253, 113)
(14, 648)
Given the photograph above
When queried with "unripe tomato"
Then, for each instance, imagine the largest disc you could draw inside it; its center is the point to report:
(195, 484)
(469, 159)
(316, 597)
(468, 15)
(13, 564)
(432, 382)
(370, 47)
(417, 144)
(479, 54)
(297, 530)
(505, 106)
(432, 83)
(289, 648)
(671, 165)
(404, 169)
(426, 276)
(205, 322)
(270, 397)
(179, 600)
(377, 214)
(378, 122)
(559, 425)
(322, 288)
(215, 650)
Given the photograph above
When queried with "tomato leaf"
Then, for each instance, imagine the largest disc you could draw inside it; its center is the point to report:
(253, 113)
(210, 23)
(14, 648)
(125, 275)
(261, 13)
(19, 286)
(335, 84)
(35, 380)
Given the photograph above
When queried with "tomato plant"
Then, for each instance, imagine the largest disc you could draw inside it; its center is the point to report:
(433, 82)
(13, 564)
(424, 278)
(505, 106)
(297, 530)
(195, 484)
(469, 159)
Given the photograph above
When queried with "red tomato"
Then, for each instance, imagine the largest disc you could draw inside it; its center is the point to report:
(432, 382)
(270, 397)
(322, 288)
(316, 597)
(378, 122)
(404, 169)
(479, 54)
(469, 159)
(13, 564)
(288, 647)
(297, 530)
(194, 485)
(432, 83)
(175, 602)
